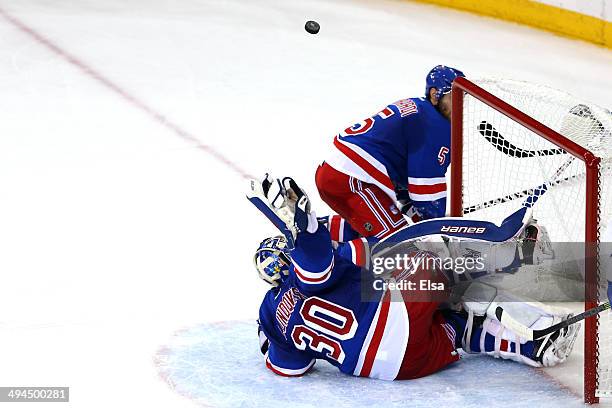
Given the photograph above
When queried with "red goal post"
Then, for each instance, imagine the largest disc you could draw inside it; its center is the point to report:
(463, 87)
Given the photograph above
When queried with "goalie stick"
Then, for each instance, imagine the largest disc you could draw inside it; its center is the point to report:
(515, 196)
(508, 148)
(503, 145)
(530, 334)
(527, 191)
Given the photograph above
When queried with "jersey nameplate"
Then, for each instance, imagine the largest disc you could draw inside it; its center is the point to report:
(406, 107)
(286, 307)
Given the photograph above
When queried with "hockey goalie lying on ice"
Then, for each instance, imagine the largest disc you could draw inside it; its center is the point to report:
(315, 308)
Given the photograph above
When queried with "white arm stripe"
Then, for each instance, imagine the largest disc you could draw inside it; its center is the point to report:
(427, 197)
(426, 181)
(313, 277)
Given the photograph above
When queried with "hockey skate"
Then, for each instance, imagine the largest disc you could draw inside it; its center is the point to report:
(556, 347)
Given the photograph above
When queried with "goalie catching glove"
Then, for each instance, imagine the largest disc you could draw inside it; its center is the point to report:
(284, 203)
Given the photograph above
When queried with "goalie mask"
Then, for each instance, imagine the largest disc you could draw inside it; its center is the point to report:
(272, 260)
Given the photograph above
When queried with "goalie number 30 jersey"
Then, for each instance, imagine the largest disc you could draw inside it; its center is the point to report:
(317, 313)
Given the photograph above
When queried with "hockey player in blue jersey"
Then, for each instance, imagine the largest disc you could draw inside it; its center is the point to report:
(315, 309)
(395, 160)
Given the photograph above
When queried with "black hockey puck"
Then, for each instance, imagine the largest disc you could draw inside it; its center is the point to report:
(312, 27)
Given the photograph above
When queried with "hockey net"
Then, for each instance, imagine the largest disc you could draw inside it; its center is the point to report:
(509, 137)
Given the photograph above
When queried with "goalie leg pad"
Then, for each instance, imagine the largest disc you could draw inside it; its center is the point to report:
(485, 334)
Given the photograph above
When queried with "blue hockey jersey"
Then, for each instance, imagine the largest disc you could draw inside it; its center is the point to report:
(317, 313)
(405, 145)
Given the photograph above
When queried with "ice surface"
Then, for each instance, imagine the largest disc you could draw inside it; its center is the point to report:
(114, 232)
(219, 364)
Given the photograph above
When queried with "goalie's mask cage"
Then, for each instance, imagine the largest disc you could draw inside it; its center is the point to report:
(509, 137)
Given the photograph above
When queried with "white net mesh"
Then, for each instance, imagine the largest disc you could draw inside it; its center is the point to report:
(503, 161)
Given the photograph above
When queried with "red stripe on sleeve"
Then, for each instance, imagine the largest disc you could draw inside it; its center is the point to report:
(427, 189)
(334, 227)
(319, 276)
(359, 252)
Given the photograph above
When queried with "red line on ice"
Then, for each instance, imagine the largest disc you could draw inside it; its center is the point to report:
(92, 73)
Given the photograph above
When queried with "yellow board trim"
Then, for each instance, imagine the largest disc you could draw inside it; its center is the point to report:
(543, 16)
